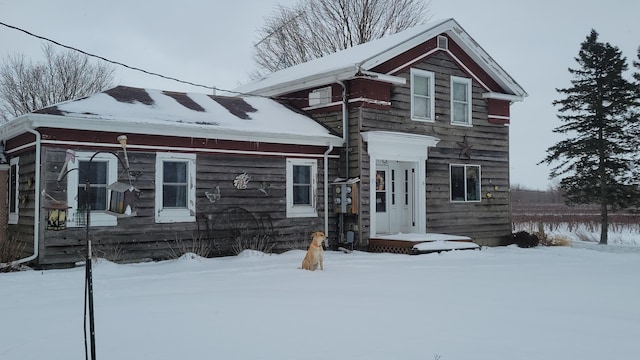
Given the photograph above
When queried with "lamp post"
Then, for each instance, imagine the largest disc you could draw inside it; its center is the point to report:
(122, 139)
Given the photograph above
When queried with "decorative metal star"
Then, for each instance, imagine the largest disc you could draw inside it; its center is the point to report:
(465, 149)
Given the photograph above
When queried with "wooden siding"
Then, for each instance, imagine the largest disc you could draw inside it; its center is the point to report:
(485, 221)
(138, 238)
(23, 230)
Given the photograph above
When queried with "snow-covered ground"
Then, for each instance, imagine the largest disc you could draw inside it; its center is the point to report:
(577, 302)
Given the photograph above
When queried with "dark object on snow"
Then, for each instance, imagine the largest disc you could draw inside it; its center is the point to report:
(522, 238)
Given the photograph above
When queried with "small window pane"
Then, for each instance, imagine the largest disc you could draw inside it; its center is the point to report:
(98, 173)
(301, 185)
(174, 196)
(421, 85)
(460, 114)
(457, 183)
(175, 172)
(460, 92)
(421, 107)
(473, 183)
(301, 195)
(13, 188)
(301, 174)
(174, 187)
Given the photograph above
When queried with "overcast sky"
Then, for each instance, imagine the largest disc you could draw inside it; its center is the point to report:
(210, 42)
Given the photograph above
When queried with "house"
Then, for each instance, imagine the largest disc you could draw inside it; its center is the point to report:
(383, 146)
(202, 170)
(425, 116)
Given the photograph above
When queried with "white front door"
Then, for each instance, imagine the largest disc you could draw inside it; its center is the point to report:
(395, 197)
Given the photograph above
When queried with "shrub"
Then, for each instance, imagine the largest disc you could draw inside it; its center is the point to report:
(260, 243)
(197, 245)
(10, 250)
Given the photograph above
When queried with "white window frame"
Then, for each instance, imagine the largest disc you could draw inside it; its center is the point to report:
(174, 215)
(430, 97)
(466, 200)
(13, 213)
(302, 210)
(468, 83)
(97, 217)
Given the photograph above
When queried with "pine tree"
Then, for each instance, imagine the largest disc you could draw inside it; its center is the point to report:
(599, 155)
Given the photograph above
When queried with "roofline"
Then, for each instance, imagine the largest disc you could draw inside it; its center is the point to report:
(18, 126)
(500, 96)
(312, 81)
(449, 26)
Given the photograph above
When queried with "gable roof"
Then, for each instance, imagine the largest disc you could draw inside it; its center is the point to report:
(348, 63)
(157, 112)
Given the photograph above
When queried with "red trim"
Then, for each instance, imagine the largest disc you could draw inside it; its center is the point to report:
(54, 134)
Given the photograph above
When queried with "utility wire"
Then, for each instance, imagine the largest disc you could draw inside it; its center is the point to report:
(145, 71)
(114, 62)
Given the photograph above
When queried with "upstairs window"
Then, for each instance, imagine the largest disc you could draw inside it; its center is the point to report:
(175, 187)
(422, 95)
(465, 183)
(14, 194)
(460, 101)
(301, 187)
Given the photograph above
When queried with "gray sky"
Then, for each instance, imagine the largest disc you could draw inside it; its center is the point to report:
(210, 42)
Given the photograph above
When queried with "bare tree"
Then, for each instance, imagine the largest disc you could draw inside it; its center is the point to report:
(314, 28)
(26, 86)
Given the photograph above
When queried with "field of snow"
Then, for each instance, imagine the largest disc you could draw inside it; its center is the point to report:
(577, 302)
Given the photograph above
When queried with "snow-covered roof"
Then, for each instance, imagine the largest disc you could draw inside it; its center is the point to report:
(157, 112)
(347, 63)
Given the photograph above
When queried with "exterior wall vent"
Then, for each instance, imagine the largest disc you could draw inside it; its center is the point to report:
(443, 42)
(320, 96)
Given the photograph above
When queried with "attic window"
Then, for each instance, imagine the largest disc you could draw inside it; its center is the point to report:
(443, 42)
(320, 96)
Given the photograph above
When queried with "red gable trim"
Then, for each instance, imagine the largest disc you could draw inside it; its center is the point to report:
(428, 49)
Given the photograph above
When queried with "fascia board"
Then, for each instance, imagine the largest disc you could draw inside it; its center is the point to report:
(34, 121)
(304, 83)
(464, 40)
(406, 45)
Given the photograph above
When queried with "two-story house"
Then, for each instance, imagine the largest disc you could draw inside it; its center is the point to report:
(425, 118)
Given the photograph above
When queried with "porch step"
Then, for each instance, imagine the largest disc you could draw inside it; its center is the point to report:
(413, 244)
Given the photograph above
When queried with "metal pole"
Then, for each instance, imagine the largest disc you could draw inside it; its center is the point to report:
(89, 272)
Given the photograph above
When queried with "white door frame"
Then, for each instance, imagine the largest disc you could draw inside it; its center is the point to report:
(395, 146)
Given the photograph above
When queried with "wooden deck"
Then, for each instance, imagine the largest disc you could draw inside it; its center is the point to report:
(409, 243)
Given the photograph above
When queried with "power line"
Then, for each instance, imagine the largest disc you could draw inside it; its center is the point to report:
(142, 70)
(113, 62)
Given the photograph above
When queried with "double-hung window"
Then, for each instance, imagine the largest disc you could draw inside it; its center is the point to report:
(175, 188)
(460, 101)
(422, 95)
(465, 183)
(301, 187)
(100, 173)
(14, 184)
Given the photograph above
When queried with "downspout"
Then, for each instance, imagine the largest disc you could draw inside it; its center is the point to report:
(345, 127)
(326, 189)
(36, 210)
(345, 136)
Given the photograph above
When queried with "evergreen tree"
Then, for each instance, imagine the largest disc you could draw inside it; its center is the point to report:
(599, 155)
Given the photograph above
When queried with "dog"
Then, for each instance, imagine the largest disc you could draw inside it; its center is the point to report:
(313, 258)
